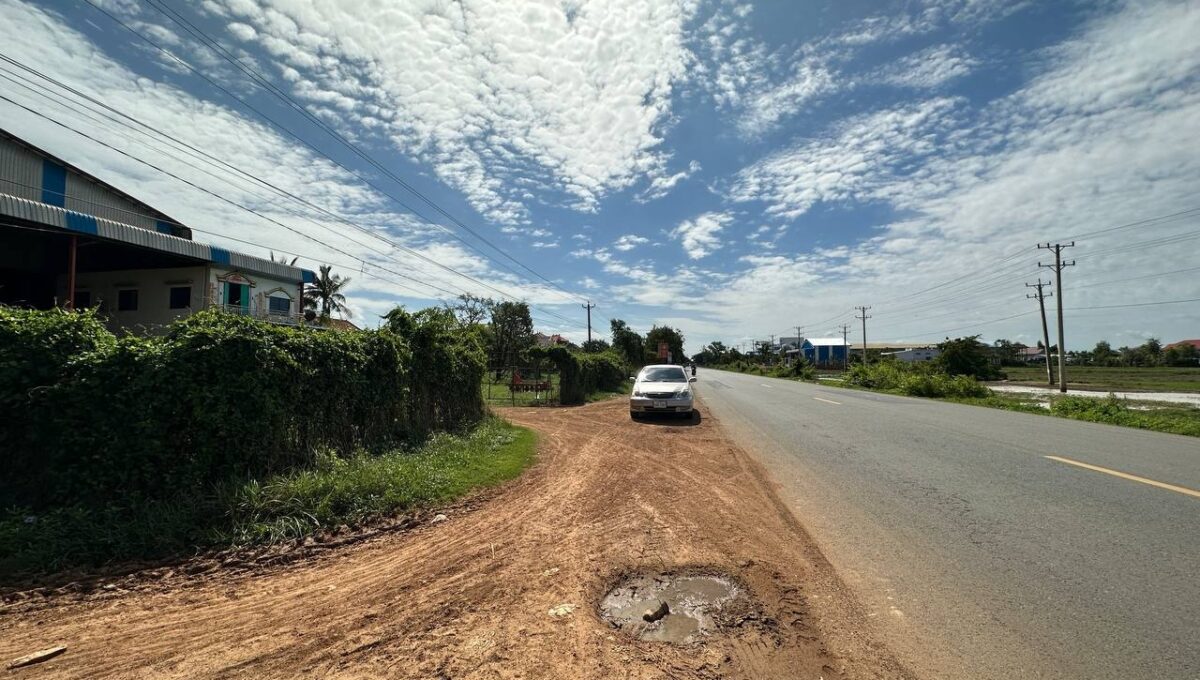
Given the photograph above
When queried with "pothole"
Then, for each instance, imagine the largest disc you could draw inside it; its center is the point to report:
(668, 607)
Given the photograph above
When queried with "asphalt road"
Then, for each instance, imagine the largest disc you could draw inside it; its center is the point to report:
(976, 555)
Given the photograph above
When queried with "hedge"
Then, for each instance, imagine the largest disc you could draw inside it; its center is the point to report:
(584, 373)
(219, 396)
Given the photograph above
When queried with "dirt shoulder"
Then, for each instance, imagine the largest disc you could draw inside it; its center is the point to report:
(470, 597)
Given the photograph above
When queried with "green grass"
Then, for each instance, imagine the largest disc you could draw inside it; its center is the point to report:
(601, 395)
(1183, 420)
(283, 507)
(1118, 379)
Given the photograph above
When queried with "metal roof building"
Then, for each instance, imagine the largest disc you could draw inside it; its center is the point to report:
(69, 239)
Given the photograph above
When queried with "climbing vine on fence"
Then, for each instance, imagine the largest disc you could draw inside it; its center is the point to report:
(217, 396)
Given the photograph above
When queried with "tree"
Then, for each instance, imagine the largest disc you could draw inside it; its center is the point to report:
(1007, 351)
(594, 345)
(512, 333)
(672, 337)
(966, 356)
(628, 343)
(1151, 351)
(1182, 354)
(283, 259)
(325, 294)
(471, 309)
(1103, 354)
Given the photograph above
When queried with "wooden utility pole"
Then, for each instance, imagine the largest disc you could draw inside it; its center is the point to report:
(589, 306)
(862, 316)
(1041, 296)
(845, 346)
(1058, 267)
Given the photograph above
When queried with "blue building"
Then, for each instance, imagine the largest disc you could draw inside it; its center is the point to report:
(824, 351)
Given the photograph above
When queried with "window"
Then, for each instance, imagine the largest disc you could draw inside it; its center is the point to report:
(181, 297)
(83, 299)
(663, 374)
(280, 305)
(127, 300)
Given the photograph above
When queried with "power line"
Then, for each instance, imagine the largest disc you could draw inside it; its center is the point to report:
(263, 82)
(1138, 304)
(212, 160)
(247, 208)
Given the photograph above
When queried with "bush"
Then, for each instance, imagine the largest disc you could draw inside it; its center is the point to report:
(582, 374)
(218, 397)
(35, 347)
(799, 369)
(917, 380)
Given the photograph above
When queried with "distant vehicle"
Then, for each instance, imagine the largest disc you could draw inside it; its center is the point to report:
(661, 388)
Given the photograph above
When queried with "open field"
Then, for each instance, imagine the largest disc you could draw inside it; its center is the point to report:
(470, 597)
(1120, 379)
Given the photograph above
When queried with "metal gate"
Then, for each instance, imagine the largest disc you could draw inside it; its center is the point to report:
(533, 385)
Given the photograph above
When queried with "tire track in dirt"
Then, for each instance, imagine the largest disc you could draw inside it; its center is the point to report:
(469, 598)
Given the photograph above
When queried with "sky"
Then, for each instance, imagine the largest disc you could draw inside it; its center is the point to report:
(736, 170)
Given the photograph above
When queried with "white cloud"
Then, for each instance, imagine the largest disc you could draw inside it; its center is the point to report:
(859, 160)
(405, 254)
(629, 242)
(929, 68)
(699, 236)
(494, 90)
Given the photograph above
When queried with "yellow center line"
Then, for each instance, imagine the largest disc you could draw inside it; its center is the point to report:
(828, 401)
(1125, 475)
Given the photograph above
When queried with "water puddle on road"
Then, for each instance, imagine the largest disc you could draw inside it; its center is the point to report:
(667, 607)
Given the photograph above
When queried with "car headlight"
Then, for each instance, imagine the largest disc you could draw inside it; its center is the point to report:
(638, 393)
(683, 394)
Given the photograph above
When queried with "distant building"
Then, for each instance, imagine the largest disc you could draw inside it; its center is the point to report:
(916, 354)
(542, 340)
(824, 351)
(1181, 343)
(68, 239)
(1031, 354)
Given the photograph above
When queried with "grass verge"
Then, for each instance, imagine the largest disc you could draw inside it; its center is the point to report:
(279, 508)
(1173, 419)
(1115, 379)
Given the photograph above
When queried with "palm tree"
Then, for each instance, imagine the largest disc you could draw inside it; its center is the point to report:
(283, 259)
(325, 293)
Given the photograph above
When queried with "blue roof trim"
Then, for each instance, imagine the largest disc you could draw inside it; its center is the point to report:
(82, 223)
(308, 276)
(54, 183)
(218, 255)
(164, 227)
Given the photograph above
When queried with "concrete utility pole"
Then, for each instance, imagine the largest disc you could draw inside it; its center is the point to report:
(1041, 298)
(589, 306)
(845, 346)
(1058, 267)
(862, 316)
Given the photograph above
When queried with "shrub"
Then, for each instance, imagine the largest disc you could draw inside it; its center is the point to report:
(581, 374)
(221, 397)
(798, 369)
(35, 347)
(918, 380)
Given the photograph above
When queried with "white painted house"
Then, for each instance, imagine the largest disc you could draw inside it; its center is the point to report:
(68, 239)
(914, 354)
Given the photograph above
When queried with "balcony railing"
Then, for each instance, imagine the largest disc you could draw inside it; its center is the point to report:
(288, 319)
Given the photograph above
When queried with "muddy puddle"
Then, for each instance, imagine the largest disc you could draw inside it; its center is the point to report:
(667, 607)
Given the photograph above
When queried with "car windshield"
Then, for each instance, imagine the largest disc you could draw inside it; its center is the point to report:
(664, 374)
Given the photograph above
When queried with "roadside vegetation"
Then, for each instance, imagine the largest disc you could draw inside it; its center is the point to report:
(1159, 417)
(1115, 378)
(226, 429)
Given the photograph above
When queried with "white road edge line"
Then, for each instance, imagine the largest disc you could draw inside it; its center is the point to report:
(828, 401)
(766, 386)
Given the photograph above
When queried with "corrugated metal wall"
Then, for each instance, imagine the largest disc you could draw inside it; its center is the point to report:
(86, 196)
(20, 171)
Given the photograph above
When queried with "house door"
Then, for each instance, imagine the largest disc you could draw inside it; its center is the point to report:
(237, 295)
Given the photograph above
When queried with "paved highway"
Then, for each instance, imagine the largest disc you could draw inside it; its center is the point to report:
(978, 555)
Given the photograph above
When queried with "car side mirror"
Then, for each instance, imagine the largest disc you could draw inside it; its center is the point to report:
(692, 379)
(633, 377)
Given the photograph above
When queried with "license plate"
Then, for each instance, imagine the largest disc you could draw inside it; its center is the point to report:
(660, 404)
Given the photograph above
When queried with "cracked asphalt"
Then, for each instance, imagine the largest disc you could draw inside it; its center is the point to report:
(974, 555)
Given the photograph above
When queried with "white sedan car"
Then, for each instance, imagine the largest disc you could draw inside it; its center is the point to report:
(661, 389)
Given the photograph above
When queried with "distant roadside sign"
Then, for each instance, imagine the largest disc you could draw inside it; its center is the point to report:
(663, 351)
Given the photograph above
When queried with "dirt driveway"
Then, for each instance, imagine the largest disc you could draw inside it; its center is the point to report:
(470, 597)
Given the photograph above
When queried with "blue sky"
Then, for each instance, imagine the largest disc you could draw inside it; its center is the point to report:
(733, 169)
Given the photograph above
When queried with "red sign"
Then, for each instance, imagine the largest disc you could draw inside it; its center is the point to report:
(663, 351)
